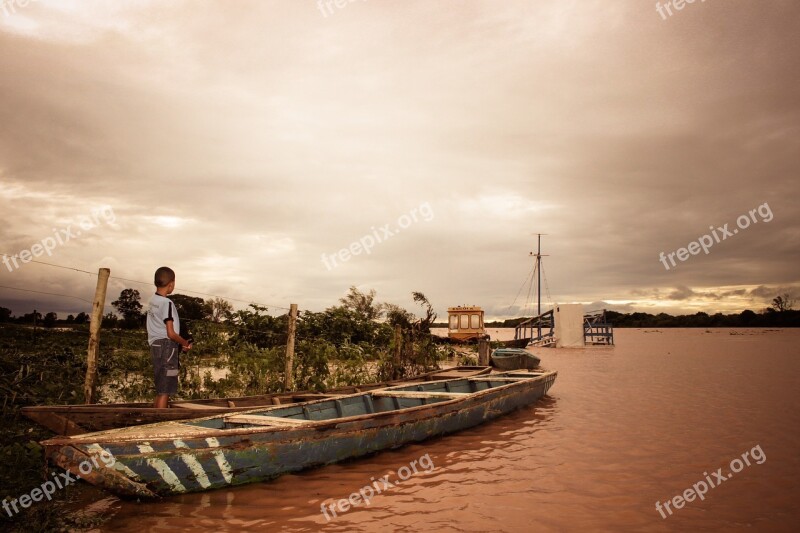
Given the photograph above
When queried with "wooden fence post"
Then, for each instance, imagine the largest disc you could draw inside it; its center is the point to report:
(483, 352)
(398, 350)
(90, 385)
(288, 378)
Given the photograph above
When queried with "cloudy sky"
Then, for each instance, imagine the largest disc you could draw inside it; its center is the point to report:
(245, 143)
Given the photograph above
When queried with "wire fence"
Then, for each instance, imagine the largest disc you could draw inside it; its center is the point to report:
(268, 306)
(229, 327)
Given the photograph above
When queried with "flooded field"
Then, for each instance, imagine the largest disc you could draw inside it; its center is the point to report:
(622, 428)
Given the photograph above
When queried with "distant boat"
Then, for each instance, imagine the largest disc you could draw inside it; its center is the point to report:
(515, 343)
(514, 359)
(225, 450)
(77, 419)
(465, 324)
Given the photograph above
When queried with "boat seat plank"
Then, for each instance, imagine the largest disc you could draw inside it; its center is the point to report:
(312, 397)
(260, 420)
(510, 380)
(453, 375)
(416, 394)
(198, 406)
(161, 430)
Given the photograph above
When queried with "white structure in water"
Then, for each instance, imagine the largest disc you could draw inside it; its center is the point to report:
(566, 326)
(568, 320)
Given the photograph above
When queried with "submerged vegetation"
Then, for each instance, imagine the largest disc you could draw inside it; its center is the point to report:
(235, 353)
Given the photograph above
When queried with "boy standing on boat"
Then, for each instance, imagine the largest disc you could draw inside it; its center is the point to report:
(163, 325)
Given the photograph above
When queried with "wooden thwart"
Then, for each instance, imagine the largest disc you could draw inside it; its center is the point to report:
(198, 406)
(415, 394)
(259, 420)
(509, 380)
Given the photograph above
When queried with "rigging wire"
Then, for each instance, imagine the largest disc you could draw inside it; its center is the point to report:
(546, 287)
(526, 280)
(43, 292)
(531, 292)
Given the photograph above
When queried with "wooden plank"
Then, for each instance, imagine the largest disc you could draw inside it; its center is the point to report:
(452, 375)
(166, 430)
(259, 420)
(54, 422)
(503, 378)
(420, 394)
(198, 406)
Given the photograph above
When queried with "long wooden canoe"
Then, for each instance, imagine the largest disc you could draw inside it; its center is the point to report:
(77, 419)
(220, 451)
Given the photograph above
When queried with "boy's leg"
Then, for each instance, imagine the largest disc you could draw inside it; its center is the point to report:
(161, 401)
(161, 351)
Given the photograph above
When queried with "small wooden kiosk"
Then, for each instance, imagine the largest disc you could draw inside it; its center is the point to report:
(465, 323)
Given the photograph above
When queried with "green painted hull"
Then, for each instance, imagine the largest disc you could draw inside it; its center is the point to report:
(514, 359)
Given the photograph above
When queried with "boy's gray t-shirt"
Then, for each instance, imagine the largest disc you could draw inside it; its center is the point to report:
(161, 311)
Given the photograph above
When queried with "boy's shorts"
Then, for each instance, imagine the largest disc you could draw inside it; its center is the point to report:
(166, 365)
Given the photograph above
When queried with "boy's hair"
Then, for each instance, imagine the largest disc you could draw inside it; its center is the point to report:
(164, 276)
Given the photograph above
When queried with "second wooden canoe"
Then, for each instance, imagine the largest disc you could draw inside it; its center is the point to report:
(514, 359)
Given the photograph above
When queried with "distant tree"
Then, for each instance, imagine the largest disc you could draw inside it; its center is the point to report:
(31, 318)
(218, 309)
(82, 318)
(5, 314)
(748, 318)
(110, 320)
(255, 326)
(50, 319)
(70, 319)
(782, 303)
(430, 314)
(130, 307)
(397, 316)
(189, 307)
(362, 304)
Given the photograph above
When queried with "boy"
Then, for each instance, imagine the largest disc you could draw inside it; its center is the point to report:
(163, 324)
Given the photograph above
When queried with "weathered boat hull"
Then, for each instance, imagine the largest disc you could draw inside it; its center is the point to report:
(174, 458)
(77, 419)
(514, 359)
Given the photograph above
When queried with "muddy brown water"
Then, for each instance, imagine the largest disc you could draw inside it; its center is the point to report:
(621, 429)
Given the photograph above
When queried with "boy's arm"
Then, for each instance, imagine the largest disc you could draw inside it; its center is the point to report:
(173, 336)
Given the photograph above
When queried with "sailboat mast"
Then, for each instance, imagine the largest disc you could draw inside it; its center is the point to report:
(539, 273)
